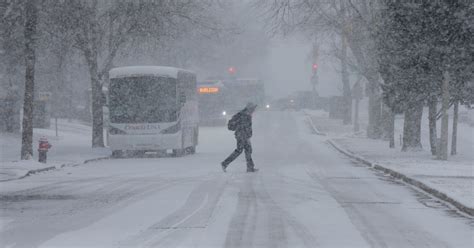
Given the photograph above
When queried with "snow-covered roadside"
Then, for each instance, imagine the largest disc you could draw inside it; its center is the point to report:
(71, 146)
(453, 178)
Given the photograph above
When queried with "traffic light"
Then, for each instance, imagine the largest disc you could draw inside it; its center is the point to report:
(231, 70)
(314, 67)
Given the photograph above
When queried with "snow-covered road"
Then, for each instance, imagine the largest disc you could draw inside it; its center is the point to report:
(305, 195)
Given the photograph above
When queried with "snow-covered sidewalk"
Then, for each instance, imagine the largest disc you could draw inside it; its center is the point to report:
(453, 178)
(72, 146)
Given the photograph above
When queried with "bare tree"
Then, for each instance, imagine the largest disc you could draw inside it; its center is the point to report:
(346, 86)
(102, 28)
(353, 21)
(12, 63)
(442, 148)
(432, 111)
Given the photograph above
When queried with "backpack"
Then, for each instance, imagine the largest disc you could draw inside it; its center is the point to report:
(233, 122)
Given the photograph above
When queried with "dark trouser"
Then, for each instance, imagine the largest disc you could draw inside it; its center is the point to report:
(242, 144)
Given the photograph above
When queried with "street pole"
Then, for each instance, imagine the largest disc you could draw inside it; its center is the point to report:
(314, 69)
(314, 82)
(356, 116)
(357, 94)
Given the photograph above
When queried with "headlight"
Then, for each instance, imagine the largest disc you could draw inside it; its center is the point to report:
(224, 113)
(268, 106)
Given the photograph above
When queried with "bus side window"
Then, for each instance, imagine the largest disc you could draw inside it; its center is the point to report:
(182, 97)
(187, 86)
(190, 87)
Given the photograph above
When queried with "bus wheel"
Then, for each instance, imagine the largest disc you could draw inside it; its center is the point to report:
(139, 154)
(191, 150)
(117, 153)
(178, 152)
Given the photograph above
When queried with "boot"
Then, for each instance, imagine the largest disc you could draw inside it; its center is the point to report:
(224, 167)
(252, 169)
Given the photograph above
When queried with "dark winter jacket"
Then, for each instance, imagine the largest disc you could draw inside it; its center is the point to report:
(244, 125)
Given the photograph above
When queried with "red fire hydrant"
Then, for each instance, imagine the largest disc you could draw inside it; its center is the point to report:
(43, 148)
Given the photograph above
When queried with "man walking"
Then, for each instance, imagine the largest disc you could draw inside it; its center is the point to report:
(241, 123)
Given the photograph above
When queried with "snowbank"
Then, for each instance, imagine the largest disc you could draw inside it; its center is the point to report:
(22, 168)
(71, 146)
(454, 177)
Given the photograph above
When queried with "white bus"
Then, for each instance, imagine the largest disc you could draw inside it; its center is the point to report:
(152, 109)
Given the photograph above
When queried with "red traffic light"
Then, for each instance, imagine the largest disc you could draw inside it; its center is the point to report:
(231, 70)
(315, 67)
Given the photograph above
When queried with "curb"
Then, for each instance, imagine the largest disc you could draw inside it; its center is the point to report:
(411, 181)
(420, 185)
(311, 124)
(32, 172)
(90, 161)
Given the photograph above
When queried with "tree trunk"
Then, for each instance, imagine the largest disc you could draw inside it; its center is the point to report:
(91, 53)
(30, 59)
(391, 129)
(432, 112)
(368, 64)
(374, 129)
(346, 87)
(356, 116)
(386, 122)
(442, 151)
(455, 128)
(96, 98)
(97, 112)
(412, 127)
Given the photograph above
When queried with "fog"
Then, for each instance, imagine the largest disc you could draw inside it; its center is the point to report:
(236, 123)
(287, 67)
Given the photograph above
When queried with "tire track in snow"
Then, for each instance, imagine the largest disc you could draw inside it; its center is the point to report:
(255, 204)
(285, 218)
(242, 227)
(377, 221)
(62, 214)
(195, 213)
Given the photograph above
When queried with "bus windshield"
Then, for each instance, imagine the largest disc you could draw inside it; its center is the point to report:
(144, 99)
(211, 104)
